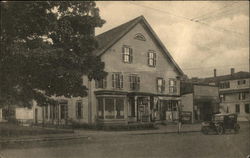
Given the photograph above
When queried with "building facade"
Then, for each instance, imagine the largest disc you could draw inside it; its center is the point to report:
(202, 101)
(142, 85)
(234, 90)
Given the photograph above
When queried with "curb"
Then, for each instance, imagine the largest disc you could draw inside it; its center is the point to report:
(41, 139)
(170, 132)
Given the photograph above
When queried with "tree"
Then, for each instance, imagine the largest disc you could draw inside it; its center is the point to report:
(46, 48)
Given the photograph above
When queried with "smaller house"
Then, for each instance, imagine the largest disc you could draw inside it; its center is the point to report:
(199, 100)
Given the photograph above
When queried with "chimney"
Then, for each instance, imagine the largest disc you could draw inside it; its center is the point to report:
(214, 72)
(232, 71)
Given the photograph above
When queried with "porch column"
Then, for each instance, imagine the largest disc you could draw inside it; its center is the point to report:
(136, 109)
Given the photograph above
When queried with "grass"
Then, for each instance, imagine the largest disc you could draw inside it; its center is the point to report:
(10, 130)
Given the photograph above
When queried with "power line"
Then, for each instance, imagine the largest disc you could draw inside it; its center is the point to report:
(214, 12)
(192, 20)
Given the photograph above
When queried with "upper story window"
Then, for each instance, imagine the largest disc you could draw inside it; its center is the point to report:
(225, 85)
(237, 108)
(79, 110)
(140, 37)
(172, 86)
(101, 83)
(160, 85)
(117, 80)
(127, 54)
(240, 82)
(242, 95)
(134, 81)
(151, 58)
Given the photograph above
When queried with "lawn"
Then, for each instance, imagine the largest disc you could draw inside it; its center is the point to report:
(10, 130)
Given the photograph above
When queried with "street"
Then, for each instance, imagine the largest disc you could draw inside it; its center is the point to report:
(172, 145)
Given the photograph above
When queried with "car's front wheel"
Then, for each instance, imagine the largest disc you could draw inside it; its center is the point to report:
(219, 130)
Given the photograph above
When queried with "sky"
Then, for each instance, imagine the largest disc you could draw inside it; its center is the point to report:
(200, 35)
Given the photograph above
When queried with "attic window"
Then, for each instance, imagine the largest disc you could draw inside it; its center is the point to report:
(140, 37)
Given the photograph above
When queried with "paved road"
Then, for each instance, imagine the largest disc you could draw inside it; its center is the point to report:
(172, 145)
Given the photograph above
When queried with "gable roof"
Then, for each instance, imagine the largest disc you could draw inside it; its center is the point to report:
(234, 76)
(109, 38)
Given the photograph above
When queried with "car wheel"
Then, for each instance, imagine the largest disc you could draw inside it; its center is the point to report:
(220, 130)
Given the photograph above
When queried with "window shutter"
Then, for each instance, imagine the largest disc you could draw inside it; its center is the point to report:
(113, 80)
(148, 58)
(138, 82)
(130, 82)
(96, 83)
(121, 80)
(105, 82)
(123, 54)
(81, 110)
(154, 59)
(157, 89)
(163, 85)
(130, 55)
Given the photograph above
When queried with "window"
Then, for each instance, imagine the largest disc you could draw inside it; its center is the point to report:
(247, 108)
(172, 86)
(100, 108)
(140, 37)
(79, 110)
(51, 111)
(119, 108)
(64, 110)
(131, 111)
(117, 80)
(46, 112)
(242, 96)
(224, 85)
(151, 58)
(240, 82)
(127, 54)
(160, 85)
(134, 81)
(222, 97)
(110, 108)
(101, 83)
(237, 108)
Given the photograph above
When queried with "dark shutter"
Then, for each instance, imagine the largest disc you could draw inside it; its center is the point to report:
(148, 58)
(113, 80)
(130, 81)
(154, 62)
(138, 82)
(130, 55)
(123, 54)
(105, 82)
(163, 85)
(121, 80)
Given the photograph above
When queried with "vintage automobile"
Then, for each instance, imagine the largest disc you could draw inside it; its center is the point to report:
(221, 123)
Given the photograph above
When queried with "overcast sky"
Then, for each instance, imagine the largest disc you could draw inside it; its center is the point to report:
(220, 39)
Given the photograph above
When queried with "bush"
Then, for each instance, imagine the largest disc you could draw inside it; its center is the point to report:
(112, 127)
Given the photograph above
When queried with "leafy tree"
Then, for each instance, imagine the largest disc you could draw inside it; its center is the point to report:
(46, 48)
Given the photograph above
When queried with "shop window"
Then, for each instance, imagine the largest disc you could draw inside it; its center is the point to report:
(237, 108)
(100, 108)
(240, 82)
(242, 96)
(119, 108)
(46, 112)
(109, 108)
(79, 110)
(247, 108)
(64, 110)
(224, 85)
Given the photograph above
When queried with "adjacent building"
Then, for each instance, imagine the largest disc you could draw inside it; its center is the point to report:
(142, 85)
(234, 91)
(198, 101)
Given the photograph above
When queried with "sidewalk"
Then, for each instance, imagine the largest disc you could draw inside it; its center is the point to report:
(78, 134)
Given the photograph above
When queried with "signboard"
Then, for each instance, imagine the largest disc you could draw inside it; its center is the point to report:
(186, 116)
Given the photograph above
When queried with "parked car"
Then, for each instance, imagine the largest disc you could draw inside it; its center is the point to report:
(221, 123)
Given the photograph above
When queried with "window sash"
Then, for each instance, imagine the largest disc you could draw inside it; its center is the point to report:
(127, 54)
(151, 58)
(160, 84)
(237, 108)
(117, 80)
(101, 83)
(134, 81)
(79, 110)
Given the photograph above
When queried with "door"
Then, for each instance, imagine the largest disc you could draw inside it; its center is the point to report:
(36, 115)
(143, 109)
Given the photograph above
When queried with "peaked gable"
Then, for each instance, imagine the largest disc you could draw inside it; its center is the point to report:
(109, 38)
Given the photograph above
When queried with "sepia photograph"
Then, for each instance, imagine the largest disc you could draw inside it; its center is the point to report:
(125, 79)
